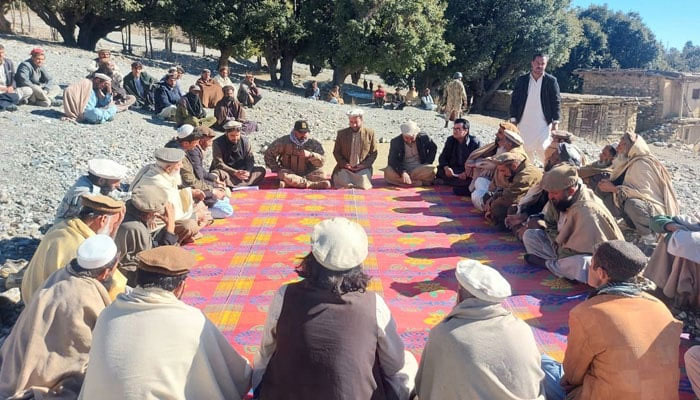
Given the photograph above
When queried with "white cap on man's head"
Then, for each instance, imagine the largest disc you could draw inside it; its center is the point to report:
(409, 128)
(96, 251)
(106, 169)
(339, 244)
(482, 281)
(184, 130)
(355, 112)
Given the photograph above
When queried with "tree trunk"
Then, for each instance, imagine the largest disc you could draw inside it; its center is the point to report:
(286, 68)
(129, 49)
(150, 38)
(193, 43)
(481, 101)
(5, 25)
(92, 28)
(355, 77)
(226, 53)
(271, 61)
(145, 39)
(67, 34)
(339, 75)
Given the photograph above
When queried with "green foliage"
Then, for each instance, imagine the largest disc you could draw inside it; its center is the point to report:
(687, 60)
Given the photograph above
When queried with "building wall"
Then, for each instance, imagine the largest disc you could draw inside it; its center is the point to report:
(691, 107)
(689, 134)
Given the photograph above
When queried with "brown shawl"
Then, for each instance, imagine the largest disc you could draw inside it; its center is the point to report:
(211, 92)
(75, 99)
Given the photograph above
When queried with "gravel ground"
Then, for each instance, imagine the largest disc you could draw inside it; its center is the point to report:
(42, 156)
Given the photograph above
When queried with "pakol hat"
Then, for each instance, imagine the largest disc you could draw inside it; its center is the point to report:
(104, 50)
(204, 131)
(355, 112)
(166, 260)
(339, 244)
(409, 128)
(106, 169)
(169, 155)
(102, 76)
(560, 177)
(207, 70)
(96, 251)
(101, 203)
(510, 126)
(232, 125)
(196, 88)
(184, 131)
(509, 156)
(513, 136)
(482, 281)
(149, 199)
(563, 135)
(301, 126)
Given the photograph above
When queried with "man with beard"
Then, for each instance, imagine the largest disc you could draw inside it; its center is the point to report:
(596, 171)
(46, 353)
(190, 110)
(355, 151)
(228, 109)
(639, 187)
(248, 93)
(165, 174)
(451, 163)
(147, 205)
(99, 215)
(232, 159)
(90, 100)
(574, 221)
(166, 97)
(211, 91)
(103, 177)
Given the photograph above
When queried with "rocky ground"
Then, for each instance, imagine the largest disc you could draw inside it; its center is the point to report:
(41, 156)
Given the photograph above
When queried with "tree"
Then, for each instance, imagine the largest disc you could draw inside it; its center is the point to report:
(687, 60)
(495, 39)
(94, 18)
(5, 25)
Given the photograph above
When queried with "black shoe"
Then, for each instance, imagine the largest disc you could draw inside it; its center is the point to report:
(10, 108)
(461, 190)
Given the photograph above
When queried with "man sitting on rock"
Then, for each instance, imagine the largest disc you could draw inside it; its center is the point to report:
(46, 353)
(103, 177)
(165, 174)
(355, 151)
(639, 187)
(480, 351)
(90, 100)
(190, 110)
(167, 96)
(99, 215)
(9, 98)
(248, 93)
(148, 204)
(233, 160)
(141, 85)
(298, 159)
(223, 78)
(619, 332)
(574, 221)
(228, 109)
(515, 175)
(149, 344)
(451, 163)
(34, 84)
(411, 157)
(210, 92)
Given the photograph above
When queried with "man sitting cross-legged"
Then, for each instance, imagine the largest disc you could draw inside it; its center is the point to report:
(233, 160)
(451, 163)
(355, 151)
(411, 155)
(297, 159)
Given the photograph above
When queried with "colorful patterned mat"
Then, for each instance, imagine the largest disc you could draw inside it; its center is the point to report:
(416, 238)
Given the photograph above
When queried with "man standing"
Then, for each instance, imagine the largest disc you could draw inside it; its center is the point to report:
(232, 158)
(141, 85)
(297, 159)
(480, 351)
(90, 100)
(34, 84)
(167, 96)
(99, 215)
(411, 155)
(458, 147)
(355, 151)
(248, 93)
(190, 110)
(623, 343)
(574, 221)
(455, 99)
(8, 95)
(103, 177)
(536, 107)
(47, 350)
(149, 344)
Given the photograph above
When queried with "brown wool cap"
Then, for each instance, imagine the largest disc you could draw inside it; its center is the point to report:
(169, 155)
(147, 198)
(561, 177)
(101, 203)
(204, 131)
(509, 125)
(509, 157)
(563, 135)
(166, 260)
(513, 136)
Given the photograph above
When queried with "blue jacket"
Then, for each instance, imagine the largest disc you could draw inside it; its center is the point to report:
(9, 73)
(166, 96)
(27, 75)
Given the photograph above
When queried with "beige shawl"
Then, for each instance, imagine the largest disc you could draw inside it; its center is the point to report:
(181, 199)
(646, 179)
(48, 347)
(75, 99)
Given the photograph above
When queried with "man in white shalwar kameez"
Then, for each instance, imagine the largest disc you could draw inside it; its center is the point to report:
(150, 345)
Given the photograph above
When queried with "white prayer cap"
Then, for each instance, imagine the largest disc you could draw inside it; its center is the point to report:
(482, 281)
(104, 77)
(339, 244)
(409, 128)
(184, 131)
(106, 169)
(96, 251)
(355, 112)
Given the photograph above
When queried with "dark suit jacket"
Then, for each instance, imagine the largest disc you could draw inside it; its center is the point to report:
(166, 96)
(427, 149)
(147, 81)
(550, 97)
(454, 157)
(9, 73)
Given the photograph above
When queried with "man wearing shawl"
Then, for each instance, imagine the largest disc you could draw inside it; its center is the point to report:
(639, 187)
(190, 110)
(623, 343)
(228, 109)
(232, 158)
(90, 100)
(297, 159)
(46, 353)
(211, 91)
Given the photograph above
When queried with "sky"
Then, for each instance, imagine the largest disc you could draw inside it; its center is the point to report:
(674, 22)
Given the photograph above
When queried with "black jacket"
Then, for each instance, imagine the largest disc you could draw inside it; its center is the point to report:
(550, 97)
(166, 96)
(148, 82)
(455, 154)
(397, 151)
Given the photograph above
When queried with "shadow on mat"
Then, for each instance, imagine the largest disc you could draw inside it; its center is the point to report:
(444, 280)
